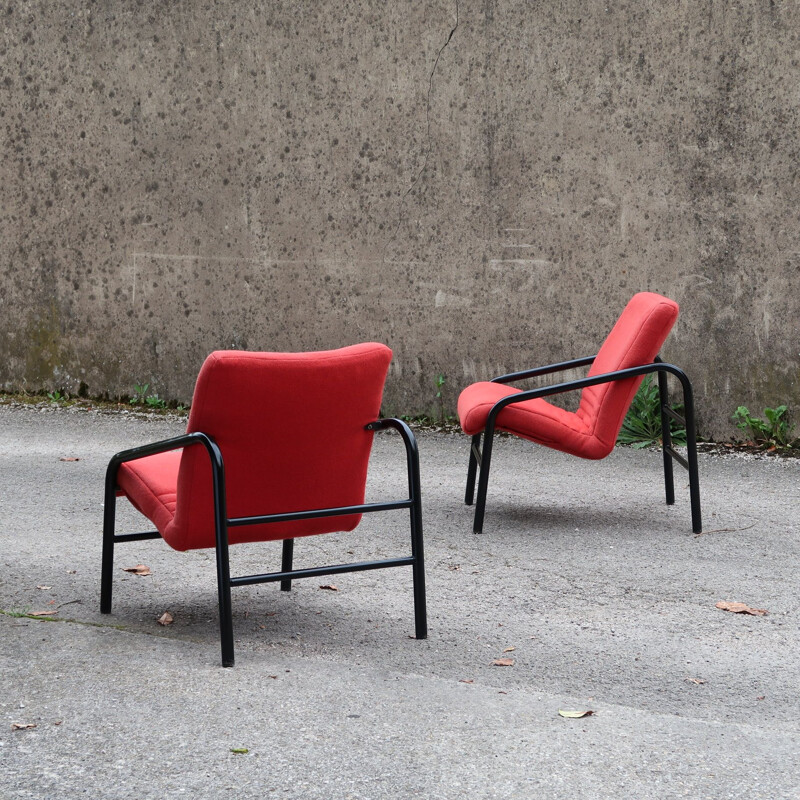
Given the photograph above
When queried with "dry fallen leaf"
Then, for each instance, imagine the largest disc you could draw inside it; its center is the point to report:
(48, 613)
(697, 681)
(466, 680)
(503, 662)
(69, 458)
(44, 587)
(21, 726)
(165, 619)
(509, 649)
(741, 608)
(575, 714)
(139, 569)
(330, 587)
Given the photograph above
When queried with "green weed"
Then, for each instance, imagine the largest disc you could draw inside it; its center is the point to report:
(139, 394)
(774, 431)
(642, 424)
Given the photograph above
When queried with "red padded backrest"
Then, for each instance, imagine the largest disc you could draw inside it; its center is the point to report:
(291, 430)
(635, 339)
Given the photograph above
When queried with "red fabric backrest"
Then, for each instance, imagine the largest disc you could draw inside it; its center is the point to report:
(635, 339)
(291, 430)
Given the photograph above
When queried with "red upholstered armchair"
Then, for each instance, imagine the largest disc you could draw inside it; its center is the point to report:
(629, 353)
(276, 448)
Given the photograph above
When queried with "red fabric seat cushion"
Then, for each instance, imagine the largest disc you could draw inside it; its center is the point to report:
(151, 484)
(592, 430)
(536, 420)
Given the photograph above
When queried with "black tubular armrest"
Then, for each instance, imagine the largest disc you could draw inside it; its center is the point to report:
(405, 432)
(582, 383)
(163, 446)
(546, 370)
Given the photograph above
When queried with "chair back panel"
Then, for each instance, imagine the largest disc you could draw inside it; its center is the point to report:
(290, 427)
(635, 339)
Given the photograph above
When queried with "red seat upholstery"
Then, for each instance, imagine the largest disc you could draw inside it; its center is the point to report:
(591, 431)
(282, 433)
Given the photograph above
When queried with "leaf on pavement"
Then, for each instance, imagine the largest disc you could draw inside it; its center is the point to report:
(696, 681)
(509, 649)
(165, 619)
(239, 750)
(575, 714)
(44, 587)
(139, 569)
(503, 662)
(49, 613)
(22, 726)
(330, 587)
(741, 608)
(69, 458)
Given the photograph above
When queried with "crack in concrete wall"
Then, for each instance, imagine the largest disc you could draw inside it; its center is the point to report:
(429, 145)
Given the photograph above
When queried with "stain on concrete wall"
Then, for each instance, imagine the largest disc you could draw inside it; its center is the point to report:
(481, 185)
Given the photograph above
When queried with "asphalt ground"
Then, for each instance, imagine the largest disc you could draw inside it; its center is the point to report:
(598, 592)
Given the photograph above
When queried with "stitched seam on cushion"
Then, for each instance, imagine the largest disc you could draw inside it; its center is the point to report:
(138, 480)
(532, 412)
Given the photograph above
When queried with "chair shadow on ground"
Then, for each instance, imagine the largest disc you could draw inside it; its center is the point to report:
(510, 519)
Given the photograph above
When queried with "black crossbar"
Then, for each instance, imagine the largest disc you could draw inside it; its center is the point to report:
(677, 456)
(674, 414)
(320, 512)
(317, 572)
(134, 537)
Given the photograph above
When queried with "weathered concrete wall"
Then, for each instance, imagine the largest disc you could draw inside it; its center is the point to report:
(179, 177)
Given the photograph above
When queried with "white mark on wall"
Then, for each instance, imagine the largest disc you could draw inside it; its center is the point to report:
(443, 299)
(470, 370)
(623, 220)
(497, 263)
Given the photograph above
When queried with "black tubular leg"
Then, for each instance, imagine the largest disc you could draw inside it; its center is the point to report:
(691, 457)
(415, 511)
(666, 438)
(417, 549)
(223, 561)
(483, 477)
(475, 445)
(286, 563)
(225, 613)
(109, 515)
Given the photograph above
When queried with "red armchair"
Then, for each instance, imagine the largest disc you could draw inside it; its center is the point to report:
(629, 353)
(276, 448)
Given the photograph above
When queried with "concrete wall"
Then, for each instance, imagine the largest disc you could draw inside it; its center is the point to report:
(481, 184)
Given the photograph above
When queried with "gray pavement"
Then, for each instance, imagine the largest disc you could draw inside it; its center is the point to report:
(601, 589)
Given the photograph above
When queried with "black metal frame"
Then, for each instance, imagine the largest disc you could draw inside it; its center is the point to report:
(222, 523)
(482, 458)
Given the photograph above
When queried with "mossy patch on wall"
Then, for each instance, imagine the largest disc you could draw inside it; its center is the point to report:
(45, 350)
